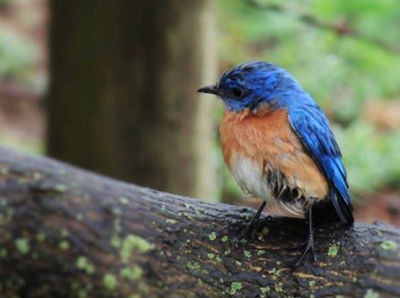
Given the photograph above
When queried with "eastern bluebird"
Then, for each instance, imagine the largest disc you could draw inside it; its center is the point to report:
(278, 145)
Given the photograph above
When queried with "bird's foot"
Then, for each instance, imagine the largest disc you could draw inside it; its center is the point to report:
(309, 248)
(264, 222)
(250, 228)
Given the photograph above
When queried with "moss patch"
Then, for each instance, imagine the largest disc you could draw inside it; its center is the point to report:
(371, 294)
(22, 245)
(260, 252)
(279, 287)
(275, 273)
(132, 273)
(124, 201)
(210, 256)
(60, 187)
(389, 245)
(115, 241)
(84, 264)
(110, 281)
(193, 266)
(333, 250)
(64, 245)
(134, 243)
(264, 291)
(235, 287)
(212, 236)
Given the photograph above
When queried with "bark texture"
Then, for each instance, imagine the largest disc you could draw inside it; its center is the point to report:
(69, 233)
(122, 97)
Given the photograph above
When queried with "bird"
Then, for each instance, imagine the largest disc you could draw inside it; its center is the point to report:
(279, 147)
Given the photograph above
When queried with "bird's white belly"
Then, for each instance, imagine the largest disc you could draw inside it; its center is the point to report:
(249, 176)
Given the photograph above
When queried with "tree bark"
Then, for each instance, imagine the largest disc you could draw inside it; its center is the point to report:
(122, 99)
(69, 233)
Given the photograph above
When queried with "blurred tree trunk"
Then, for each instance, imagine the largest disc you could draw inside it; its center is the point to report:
(122, 97)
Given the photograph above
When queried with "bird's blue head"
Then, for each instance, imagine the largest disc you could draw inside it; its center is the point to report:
(250, 84)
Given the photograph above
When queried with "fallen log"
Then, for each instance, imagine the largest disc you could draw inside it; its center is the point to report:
(65, 232)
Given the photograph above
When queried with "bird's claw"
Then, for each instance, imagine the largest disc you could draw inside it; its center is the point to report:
(308, 248)
(250, 228)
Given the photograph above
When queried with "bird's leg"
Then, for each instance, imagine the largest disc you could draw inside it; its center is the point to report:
(251, 225)
(310, 242)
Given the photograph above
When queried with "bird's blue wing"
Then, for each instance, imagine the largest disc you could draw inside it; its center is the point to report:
(312, 127)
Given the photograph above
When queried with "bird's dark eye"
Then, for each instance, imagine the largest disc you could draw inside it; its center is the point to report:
(238, 92)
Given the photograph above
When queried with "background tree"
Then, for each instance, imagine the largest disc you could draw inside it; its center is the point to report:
(122, 97)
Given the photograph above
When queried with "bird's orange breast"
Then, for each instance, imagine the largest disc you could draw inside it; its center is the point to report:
(267, 139)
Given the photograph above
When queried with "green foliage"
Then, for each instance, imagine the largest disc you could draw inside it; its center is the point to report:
(372, 157)
(340, 71)
(31, 145)
(16, 55)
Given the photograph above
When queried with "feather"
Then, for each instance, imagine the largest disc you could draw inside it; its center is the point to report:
(312, 127)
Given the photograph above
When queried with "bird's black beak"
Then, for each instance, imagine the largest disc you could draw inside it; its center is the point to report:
(213, 89)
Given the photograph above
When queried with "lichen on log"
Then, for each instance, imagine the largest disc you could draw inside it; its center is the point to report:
(65, 232)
